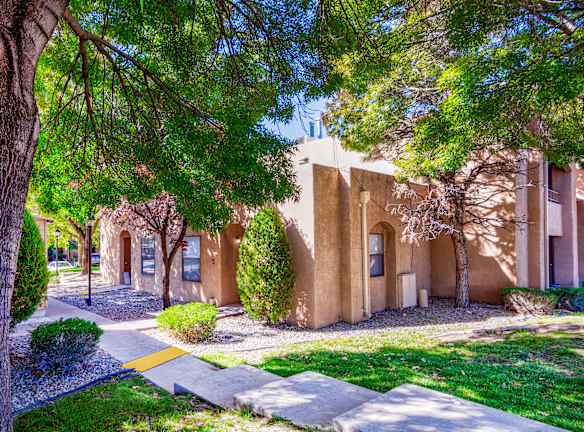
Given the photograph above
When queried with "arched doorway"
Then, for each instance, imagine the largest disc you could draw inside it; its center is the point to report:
(231, 239)
(382, 264)
(125, 258)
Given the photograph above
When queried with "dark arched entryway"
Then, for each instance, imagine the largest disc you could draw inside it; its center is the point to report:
(231, 239)
(125, 258)
(382, 267)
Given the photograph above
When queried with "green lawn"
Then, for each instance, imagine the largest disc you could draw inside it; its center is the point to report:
(134, 405)
(73, 270)
(536, 376)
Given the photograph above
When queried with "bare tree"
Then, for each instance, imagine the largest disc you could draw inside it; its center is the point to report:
(469, 196)
(154, 217)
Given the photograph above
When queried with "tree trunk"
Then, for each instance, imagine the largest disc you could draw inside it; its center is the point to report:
(167, 263)
(25, 28)
(461, 258)
(82, 253)
(168, 258)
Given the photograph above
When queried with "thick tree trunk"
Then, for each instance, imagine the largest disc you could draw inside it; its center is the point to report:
(25, 28)
(461, 258)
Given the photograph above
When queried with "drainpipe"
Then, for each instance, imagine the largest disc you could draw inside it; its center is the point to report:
(546, 243)
(364, 197)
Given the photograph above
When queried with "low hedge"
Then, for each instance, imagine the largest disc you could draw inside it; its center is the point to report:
(529, 301)
(569, 298)
(64, 344)
(192, 322)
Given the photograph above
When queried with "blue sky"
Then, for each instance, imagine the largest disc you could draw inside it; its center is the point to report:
(298, 127)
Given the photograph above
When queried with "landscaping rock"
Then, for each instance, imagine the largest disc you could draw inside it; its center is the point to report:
(29, 385)
(241, 333)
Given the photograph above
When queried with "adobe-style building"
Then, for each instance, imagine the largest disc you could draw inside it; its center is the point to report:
(350, 258)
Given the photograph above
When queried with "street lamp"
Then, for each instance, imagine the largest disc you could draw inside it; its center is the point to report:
(57, 234)
(90, 223)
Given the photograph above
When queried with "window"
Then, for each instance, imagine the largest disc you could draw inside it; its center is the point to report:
(376, 255)
(148, 256)
(192, 259)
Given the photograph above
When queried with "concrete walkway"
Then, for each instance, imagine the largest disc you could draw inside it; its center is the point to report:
(307, 400)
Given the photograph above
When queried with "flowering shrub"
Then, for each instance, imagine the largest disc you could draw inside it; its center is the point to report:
(64, 344)
(192, 322)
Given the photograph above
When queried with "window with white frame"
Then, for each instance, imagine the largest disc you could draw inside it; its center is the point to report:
(192, 259)
(376, 255)
(147, 248)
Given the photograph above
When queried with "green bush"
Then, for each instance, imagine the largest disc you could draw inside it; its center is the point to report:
(529, 301)
(30, 284)
(64, 344)
(191, 322)
(265, 271)
(569, 298)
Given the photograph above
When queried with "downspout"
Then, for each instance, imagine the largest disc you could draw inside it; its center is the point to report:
(546, 242)
(364, 198)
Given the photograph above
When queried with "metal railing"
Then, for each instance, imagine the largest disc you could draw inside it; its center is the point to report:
(553, 196)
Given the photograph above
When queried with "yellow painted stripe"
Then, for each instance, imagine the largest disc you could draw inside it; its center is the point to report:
(84, 292)
(148, 362)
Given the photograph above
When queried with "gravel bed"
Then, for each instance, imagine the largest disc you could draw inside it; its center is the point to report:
(241, 333)
(120, 304)
(30, 385)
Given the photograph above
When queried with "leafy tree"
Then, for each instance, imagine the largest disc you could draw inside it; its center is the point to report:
(265, 270)
(130, 81)
(448, 95)
(59, 191)
(32, 277)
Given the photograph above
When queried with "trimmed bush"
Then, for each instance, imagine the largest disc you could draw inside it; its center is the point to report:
(529, 301)
(265, 271)
(192, 322)
(30, 284)
(569, 298)
(64, 344)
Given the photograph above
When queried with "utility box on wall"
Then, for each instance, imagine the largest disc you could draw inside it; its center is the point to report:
(407, 294)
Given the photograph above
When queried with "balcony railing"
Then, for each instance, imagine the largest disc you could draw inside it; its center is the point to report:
(553, 196)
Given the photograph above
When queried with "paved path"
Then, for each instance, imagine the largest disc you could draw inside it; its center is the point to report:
(308, 399)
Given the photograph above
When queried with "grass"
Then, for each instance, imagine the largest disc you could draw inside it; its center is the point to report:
(134, 405)
(535, 376)
(73, 270)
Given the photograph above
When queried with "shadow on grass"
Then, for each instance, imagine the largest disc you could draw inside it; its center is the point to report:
(131, 405)
(535, 376)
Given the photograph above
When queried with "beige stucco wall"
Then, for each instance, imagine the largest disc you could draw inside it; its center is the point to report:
(491, 251)
(215, 286)
(400, 256)
(298, 219)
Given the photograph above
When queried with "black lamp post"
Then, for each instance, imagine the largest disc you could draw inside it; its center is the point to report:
(57, 234)
(90, 223)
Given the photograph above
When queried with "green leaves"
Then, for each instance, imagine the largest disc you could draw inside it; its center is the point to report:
(431, 83)
(30, 284)
(265, 270)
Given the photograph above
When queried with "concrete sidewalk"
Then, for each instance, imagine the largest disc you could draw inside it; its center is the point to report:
(122, 341)
(307, 400)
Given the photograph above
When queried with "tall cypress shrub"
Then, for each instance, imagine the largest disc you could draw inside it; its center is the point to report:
(32, 277)
(265, 271)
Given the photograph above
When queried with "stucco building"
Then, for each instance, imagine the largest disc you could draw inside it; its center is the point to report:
(350, 257)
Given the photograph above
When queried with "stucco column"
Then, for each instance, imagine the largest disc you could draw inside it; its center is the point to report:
(566, 246)
(521, 209)
(364, 197)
